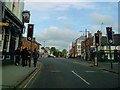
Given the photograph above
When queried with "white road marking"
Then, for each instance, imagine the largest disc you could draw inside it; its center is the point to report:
(81, 77)
(89, 71)
(105, 71)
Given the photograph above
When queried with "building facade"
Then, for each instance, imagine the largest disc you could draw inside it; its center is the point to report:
(78, 46)
(73, 50)
(11, 33)
(88, 44)
(29, 45)
(104, 50)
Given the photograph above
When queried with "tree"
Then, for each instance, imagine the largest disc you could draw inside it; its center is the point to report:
(64, 52)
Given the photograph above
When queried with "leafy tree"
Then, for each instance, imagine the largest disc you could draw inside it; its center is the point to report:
(64, 52)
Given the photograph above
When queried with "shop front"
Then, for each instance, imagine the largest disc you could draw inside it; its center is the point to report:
(11, 34)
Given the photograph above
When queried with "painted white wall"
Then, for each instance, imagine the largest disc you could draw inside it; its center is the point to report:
(17, 9)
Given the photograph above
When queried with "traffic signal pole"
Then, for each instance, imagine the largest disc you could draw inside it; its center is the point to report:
(97, 43)
(110, 41)
(96, 57)
(110, 56)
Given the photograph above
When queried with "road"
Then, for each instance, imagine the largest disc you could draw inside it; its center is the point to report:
(65, 73)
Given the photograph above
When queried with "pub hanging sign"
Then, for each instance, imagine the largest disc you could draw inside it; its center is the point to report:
(26, 16)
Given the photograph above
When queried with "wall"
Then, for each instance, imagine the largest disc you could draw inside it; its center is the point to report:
(16, 6)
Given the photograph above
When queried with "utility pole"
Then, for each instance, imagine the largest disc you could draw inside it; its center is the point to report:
(44, 44)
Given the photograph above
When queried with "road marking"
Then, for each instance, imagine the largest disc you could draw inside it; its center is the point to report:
(30, 79)
(81, 77)
(105, 71)
(54, 71)
(89, 71)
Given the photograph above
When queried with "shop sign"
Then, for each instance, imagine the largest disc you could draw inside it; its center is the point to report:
(4, 24)
(108, 51)
(26, 16)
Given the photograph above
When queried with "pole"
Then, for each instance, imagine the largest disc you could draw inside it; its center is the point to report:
(97, 55)
(85, 33)
(31, 47)
(44, 44)
(110, 56)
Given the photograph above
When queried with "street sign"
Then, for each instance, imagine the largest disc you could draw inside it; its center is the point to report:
(4, 24)
(92, 47)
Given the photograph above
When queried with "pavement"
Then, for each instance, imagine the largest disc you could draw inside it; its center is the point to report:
(107, 67)
(12, 76)
(102, 65)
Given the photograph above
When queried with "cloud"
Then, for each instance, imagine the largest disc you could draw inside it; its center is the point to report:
(41, 6)
(53, 36)
(62, 18)
(93, 29)
(99, 18)
(68, 26)
(71, 0)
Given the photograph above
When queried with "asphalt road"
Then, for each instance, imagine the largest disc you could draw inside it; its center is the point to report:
(65, 73)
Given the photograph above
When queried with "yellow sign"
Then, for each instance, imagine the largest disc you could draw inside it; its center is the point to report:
(109, 51)
(4, 24)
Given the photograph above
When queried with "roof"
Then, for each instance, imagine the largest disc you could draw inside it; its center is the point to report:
(81, 38)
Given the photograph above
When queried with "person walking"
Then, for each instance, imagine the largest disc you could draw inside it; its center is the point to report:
(35, 57)
(17, 56)
(29, 57)
(24, 55)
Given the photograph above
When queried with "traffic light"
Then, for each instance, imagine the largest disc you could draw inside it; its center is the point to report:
(109, 34)
(30, 32)
(97, 39)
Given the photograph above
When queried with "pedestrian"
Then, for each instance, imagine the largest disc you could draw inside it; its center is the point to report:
(29, 57)
(24, 55)
(17, 56)
(35, 57)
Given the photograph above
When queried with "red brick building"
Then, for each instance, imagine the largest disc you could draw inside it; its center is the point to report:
(73, 50)
(26, 43)
(85, 47)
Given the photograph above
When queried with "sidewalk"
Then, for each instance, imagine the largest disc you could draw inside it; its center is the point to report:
(13, 75)
(102, 65)
(106, 66)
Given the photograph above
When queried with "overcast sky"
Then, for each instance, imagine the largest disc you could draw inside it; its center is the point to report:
(58, 23)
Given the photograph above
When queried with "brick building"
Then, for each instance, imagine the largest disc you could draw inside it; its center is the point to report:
(26, 43)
